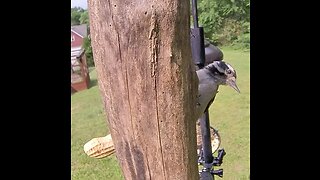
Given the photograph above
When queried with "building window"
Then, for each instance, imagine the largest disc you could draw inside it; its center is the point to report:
(72, 38)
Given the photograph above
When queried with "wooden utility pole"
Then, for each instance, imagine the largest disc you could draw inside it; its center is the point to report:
(148, 85)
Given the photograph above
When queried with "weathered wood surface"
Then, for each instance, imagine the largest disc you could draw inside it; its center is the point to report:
(101, 147)
(148, 85)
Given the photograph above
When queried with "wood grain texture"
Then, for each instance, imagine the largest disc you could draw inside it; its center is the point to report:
(148, 85)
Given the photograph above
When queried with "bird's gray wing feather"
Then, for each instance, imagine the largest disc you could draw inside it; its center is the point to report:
(207, 90)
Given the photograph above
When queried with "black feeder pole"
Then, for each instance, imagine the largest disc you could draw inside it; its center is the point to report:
(198, 56)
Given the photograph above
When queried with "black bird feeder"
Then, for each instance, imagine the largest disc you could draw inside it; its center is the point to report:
(206, 159)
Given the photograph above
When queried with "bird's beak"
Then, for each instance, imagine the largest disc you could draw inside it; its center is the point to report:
(232, 82)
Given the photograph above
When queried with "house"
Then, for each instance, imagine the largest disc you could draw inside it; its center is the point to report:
(80, 79)
(78, 33)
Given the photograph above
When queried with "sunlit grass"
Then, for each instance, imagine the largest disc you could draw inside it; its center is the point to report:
(230, 114)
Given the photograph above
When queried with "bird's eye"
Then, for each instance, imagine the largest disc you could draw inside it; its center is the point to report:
(228, 71)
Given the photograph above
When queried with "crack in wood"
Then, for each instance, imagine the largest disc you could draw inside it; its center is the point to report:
(153, 36)
(154, 47)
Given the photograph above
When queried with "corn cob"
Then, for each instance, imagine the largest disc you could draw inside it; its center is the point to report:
(99, 147)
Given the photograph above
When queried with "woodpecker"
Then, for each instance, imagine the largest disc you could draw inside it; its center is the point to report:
(210, 77)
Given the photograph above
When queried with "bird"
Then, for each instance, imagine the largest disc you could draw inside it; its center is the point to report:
(210, 78)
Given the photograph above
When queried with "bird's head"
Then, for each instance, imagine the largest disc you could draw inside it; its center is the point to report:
(224, 73)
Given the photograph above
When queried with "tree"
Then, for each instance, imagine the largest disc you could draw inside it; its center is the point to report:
(88, 50)
(84, 18)
(75, 15)
(148, 85)
(225, 21)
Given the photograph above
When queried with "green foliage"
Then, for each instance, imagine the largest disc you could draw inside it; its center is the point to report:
(243, 42)
(225, 21)
(75, 15)
(88, 51)
(84, 18)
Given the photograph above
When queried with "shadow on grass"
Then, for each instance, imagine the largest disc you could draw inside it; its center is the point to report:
(93, 82)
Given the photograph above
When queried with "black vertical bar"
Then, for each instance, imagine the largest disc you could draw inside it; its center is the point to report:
(206, 138)
(198, 56)
(197, 46)
(195, 13)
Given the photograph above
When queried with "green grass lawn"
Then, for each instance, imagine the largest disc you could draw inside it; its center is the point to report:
(229, 114)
